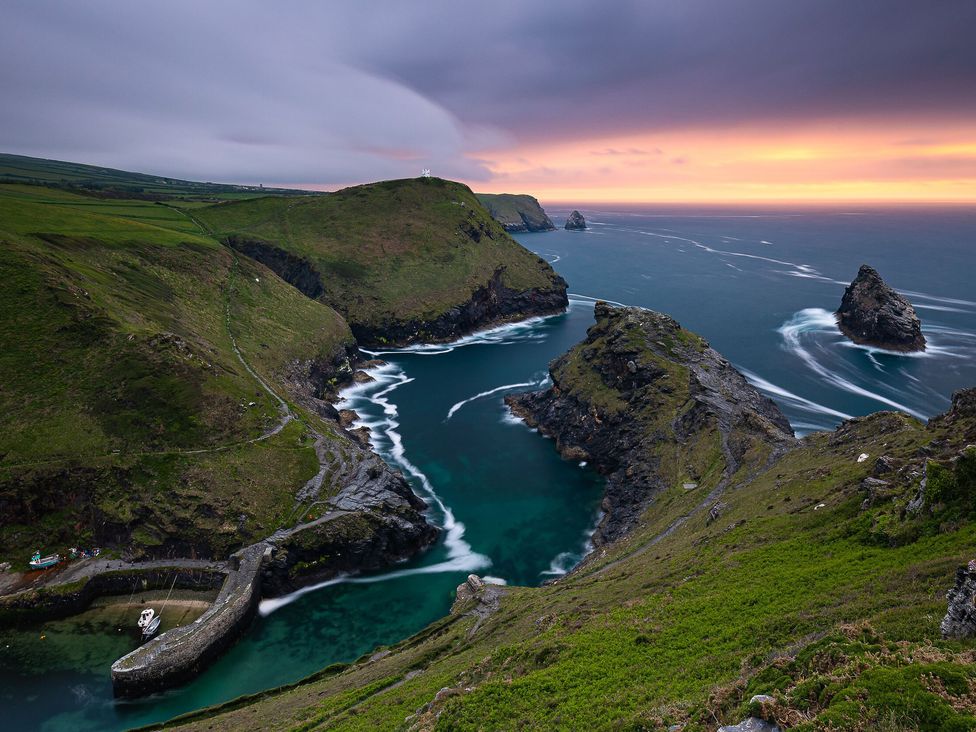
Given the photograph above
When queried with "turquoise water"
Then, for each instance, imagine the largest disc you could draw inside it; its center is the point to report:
(760, 286)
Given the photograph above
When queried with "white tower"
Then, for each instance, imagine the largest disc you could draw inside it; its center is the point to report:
(425, 173)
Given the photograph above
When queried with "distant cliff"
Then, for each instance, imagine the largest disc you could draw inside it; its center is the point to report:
(516, 212)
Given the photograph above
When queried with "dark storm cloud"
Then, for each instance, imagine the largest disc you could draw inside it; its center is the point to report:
(334, 92)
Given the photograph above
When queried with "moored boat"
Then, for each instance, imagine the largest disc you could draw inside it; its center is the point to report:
(39, 562)
(149, 622)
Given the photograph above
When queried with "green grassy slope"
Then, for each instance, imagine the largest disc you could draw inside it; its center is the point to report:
(125, 415)
(389, 254)
(119, 183)
(807, 587)
(516, 211)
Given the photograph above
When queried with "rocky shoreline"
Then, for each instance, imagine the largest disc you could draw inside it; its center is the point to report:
(491, 304)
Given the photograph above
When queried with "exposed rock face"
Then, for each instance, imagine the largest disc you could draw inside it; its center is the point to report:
(490, 304)
(641, 390)
(872, 314)
(575, 222)
(375, 520)
(296, 271)
(960, 618)
(750, 724)
(516, 212)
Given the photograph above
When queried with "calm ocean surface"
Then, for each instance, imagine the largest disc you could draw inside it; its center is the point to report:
(759, 285)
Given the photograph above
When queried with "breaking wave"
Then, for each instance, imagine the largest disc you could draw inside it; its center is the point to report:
(389, 444)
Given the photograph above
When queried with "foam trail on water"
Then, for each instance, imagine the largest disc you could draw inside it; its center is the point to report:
(942, 308)
(819, 320)
(794, 400)
(457, 548)
(563, 562)
(266, 607)
(460, 556)
(453, 410)
(935, 298)
(799, 270)
(499, 335)
(587, 300)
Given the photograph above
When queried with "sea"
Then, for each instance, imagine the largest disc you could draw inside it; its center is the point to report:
(760, 284)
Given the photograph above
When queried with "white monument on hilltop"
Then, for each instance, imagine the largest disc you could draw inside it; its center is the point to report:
(425, 173)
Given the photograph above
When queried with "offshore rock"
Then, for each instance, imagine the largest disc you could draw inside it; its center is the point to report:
(575, 222)
(639, 392)
(872, 314)
(960, 618)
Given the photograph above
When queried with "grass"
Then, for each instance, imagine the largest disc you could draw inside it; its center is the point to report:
(112, 183)
(118, 370)
(389, 252)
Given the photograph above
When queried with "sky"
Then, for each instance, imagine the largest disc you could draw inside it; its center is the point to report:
(572, 101)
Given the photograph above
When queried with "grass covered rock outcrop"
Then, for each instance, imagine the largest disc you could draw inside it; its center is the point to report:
(652, 406)
(403, 261)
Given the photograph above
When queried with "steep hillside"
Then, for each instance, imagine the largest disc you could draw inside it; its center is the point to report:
(814, 573)
(141, 364)
(403, 261)
(516, 211)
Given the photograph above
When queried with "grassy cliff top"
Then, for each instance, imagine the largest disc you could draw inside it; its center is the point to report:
(110, 182)
(819, 580)
(391, 251)
(125, 412)
(516, 210)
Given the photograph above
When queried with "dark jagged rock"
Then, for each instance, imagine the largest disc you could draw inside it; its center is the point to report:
(575, 222)
(296, 271)
(639, 391)
(872, 314)
(960, 618)
(490, 304)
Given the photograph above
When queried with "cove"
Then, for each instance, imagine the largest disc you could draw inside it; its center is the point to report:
(511, 507)
(760, 285)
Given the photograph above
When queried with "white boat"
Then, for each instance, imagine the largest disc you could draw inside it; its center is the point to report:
(39, 562)
(149, 622)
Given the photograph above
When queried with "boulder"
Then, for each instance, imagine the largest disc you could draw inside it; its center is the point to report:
(575, 222)
(750, 724)
(960, 618)
(872, 314)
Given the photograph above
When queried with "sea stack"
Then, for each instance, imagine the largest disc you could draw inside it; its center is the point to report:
(575, 222)
(872, 314)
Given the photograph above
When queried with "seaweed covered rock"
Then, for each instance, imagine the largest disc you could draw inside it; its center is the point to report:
(873, 314)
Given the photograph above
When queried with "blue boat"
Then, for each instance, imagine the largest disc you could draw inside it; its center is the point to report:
(39, 562)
